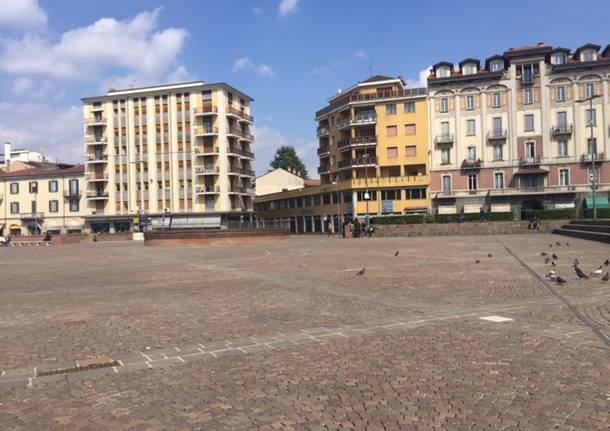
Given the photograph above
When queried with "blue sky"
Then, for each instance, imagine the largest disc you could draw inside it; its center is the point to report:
(290, 55)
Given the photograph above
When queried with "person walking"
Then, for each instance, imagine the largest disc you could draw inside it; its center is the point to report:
(481, 215)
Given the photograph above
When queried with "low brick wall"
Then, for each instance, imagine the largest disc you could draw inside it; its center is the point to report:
(447, 229)
(124, 236)
(73, 238)
(213, 237)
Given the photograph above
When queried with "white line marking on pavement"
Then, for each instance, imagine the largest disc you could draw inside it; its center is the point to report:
(496, 319)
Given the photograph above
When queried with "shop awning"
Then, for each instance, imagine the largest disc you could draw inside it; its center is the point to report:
(531, 171)
(600, 202)
(14, 226)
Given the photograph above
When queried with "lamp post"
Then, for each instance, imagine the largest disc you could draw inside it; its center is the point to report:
(339, 221)
(594, 150)
(367, 196)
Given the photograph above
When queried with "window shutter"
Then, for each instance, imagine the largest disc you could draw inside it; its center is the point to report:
(477, 101)
(462, 103)
(581, 91)
(437, 105)
(520, 98)
(451, 103)
(504, 99)
(553, 91)
(598, 88)
(569, 91)
(536, 95)
(489, 99)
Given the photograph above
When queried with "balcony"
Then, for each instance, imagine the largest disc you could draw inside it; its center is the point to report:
(563, 130)
(323, 131)
(97, 158)
(240, 115)
(241, 171)
(31, 216)
(232, 151)
(96, 140)
(206, 151)
(359, 162)
(358, 120)
(206, 131)
(496, 135)
(323, 151)
(247, 137)
(324, 169)
(235, 132)
(206, 170)
(206, 109)
(444, 138)
(207, 190)
(97, 195)
(92, 177)
(96, 121)
(241, 190)
(589, 157)
(72, 194)
(471, 164)
(529, 161)
(362, 141)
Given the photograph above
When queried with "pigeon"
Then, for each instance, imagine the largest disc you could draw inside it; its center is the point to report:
(607, 262)
(567, 244)
(576, 262)
(579, 272)
(606, 277)
(554, 256)
(477, 261)
(488, 254)
(558, 243)
(597, 272)
(550, 245)
(546, 260)
(551, 275)
(544, 254)
(560, 280)
(361, 271)
(553, 263)
(396, 254)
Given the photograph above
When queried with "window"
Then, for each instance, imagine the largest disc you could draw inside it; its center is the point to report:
(564, 177)
(391, 195)
(14, 188)
(530, 150)
(390, 109)
(497, 127)
(415, 193)
(562, 148)
(409, 107)
(588, 55)
(14, 207)
(498, 152)
(391, 131)
(410, 151)
(470, 128)
(444, 104)
(528, 124)
(562, 120)
(361, 195)
(589, 89)
(527, 73)
(410, 129)
(445, 156)
(472, 181)
(34, 187)
(53, 186)
(392, 152)
(560, 93)
(592, 146)
(495, 100)
(445, 129)
(53, 206)
(443, 72)
(469, 103)
(590, 117)
(499, 180)
(73, 187)
(472, 152)
(558, 59)
(446, 183)
(527, 96)
(496, 66)
(74, 205)
(469, 69)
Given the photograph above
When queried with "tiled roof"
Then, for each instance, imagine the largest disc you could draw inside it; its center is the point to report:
(377, 78)
(45, 171)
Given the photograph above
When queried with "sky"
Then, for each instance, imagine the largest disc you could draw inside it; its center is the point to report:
(289, 55)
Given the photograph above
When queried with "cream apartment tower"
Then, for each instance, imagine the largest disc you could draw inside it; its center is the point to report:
(179, 152)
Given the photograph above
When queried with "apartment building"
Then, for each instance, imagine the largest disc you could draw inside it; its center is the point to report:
(513, 132)
(182, 150)
(373, 151)
(44, 198)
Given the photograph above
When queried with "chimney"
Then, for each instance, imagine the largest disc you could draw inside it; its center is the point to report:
(7, 153)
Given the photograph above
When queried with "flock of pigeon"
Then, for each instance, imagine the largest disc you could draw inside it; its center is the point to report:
(552, 274)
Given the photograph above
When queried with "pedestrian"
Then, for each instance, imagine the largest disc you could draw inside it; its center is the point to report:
(481, 215)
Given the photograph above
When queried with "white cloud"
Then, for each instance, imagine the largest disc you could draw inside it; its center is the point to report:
(134, 45)
(22, 14)
(22, 86)
(32, 89)
(268, 140)
(258, 11)
(180, 74)
(246, 63)
(288, 7)
(422, 79)
(57, 131)
(360, 54)
(328, 67)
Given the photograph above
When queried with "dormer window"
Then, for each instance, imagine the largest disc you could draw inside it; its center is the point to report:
(443, 72)
(588, 55)
(559, 58)
(469, 69)
(496, 66)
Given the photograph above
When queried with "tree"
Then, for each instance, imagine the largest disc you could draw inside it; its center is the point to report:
(286, 158)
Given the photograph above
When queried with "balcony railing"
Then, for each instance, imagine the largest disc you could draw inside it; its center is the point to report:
(203, 131)
(358, 162)
(32, 216)
(97, 121)
(95, 140)
(72, 194)
(529, 161)
(206, 170)
(93, 194)
(323, 151)
(358, 120)
(246, 136)
(589, 157)
(496, 135)
(242, 190)
(97, 158)
(444, 138)
(206, 109)
(241, 171)
(361, 141)
(323, 169)
(562, 129)
(206, 150)
(471, 164)
(97, 177)
(240, 152)
(239, 114)
(323, 131)
(236, 131)
(207, 189)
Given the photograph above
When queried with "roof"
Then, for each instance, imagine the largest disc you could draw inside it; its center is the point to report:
(541, 48)
(606, 51)
(45, 171)
(560, 49)
(585, 46)
(442, 63)
(312, 183)
(377, 78)
(469, 60)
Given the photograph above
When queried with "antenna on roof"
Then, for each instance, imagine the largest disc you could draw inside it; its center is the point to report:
(370, 69)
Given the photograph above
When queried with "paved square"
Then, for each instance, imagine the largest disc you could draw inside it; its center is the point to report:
(286, 335)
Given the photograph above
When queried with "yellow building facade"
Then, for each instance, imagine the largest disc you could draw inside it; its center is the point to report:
(373, 151)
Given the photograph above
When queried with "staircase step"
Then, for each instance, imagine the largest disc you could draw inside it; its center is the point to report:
(588, 228)
(590, 222)
(582, 234)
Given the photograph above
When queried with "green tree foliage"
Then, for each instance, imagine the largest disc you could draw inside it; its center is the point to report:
(286, 158)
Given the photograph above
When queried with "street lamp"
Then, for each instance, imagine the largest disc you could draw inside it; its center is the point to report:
(339, 221)
(594, 149)
(367, 196)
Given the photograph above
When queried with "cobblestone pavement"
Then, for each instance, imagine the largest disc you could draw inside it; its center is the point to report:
(285, 335)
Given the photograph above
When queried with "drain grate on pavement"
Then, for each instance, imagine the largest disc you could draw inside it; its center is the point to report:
(76, 369)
